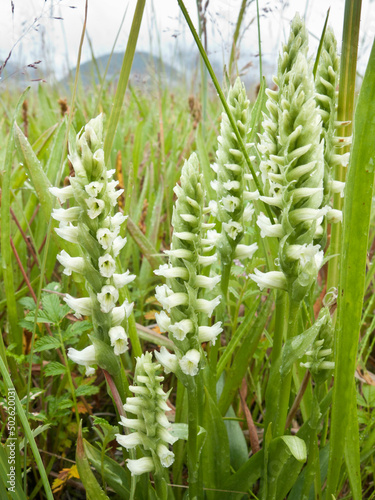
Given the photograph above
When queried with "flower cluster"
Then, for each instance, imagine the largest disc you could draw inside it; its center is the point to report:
(292, 170)
(187, 277)
(92, 226)
(320, 356)
(232, 207)
(151, 424)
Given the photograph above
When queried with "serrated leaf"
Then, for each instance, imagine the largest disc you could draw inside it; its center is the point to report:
(52, 308)
(45, 343)
(54, 368)
(27, 303)
(87, 390)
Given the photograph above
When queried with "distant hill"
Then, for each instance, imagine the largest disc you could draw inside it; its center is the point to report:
(145, 68)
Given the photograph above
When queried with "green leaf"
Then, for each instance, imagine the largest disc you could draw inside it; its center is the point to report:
(117, 477)
(87, 390)
(54, 368)
(46, 343)
(144, 245)
(38, 177)
(215, 454)
(356, 221)
(93, 490)
(280, 450)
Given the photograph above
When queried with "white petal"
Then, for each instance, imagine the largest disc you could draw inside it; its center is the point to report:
(140, 466)
(189, 363)
(62, 194)
(209, 333)
(272, 279)
(123, 279)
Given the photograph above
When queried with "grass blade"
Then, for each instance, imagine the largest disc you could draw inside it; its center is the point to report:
(357, 211)
(123, 80)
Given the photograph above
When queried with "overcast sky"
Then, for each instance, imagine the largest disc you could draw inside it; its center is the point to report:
(56, 40)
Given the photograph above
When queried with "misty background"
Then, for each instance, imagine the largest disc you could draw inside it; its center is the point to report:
(39, 39)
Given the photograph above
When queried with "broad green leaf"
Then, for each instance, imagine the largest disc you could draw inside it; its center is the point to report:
(215, 454)
(117, 477)
(38, 177)
(93, 490)
(45, 343)
(356, 221)
(54, 368)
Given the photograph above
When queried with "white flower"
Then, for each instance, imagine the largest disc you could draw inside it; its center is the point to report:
(272, 279)
(123, 279)
(189, 363)
(179, 253)
(251, 195)
(140, 466)
(181, 328)
(208, 306)
(129, 441)
(82, 307)
(62, 194)
(86, 358)
(113, 195)
(66, 214)
(107, 265)
(96, 207)
(248, 213)
(163, 434)
(166, 456)
(110, 173)
(209, 333)
(338, 187)
(267, 228)
(118, 245)
(334, 215)
(206, 282)
(167, 360)
(306, 214)
(107, 298)
(168, 271)
(168, 299)
(93, 189)
(121, 312)
(233, 229)
(213, 207)
(105, 237)
(117, 220)
(212, 238)
(163, 321)
(68, 233)
(76, 264)
(229, 185)
(230, 203)
(245, 251)
(185, 235)
(215, 185)
(119, 339)
(306, 253)
(206, 261)
(133, 423)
